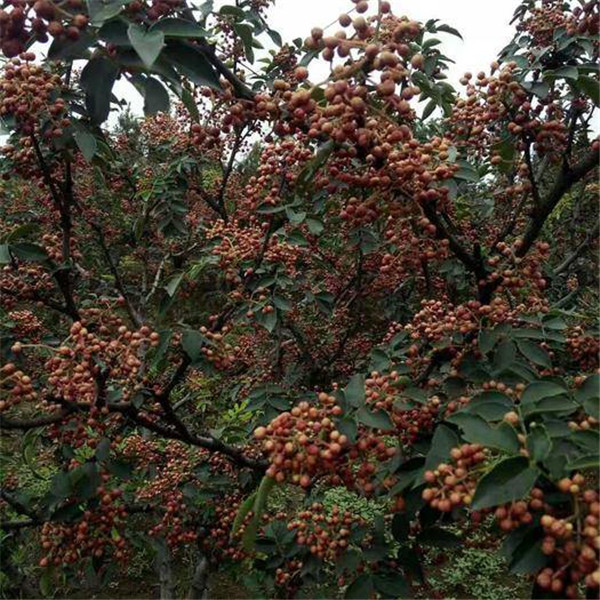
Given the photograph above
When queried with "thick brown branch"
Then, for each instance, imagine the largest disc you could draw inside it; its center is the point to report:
(563, 184)
(25, 424)
(133, 315)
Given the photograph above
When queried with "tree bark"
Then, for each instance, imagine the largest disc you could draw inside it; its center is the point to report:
(199, 587)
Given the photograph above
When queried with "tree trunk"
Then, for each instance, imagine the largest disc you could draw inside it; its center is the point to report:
(165, 575)
(199, 587)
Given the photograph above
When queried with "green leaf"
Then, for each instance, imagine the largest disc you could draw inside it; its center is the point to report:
(191, 63)
(588, 394)
(523, 549)
(97, 79)
(282, 303)
(534, 353)
(355, 391)
(147, 44)
(477, 431)
(315, 226)
(378, 419)
(487, 340)
(190, 104)
(174, 283)
(86, 142)
(243, 510)
(444, 439)
(173, 27)
(450, 30)
(156, 97)
(391, 585)
(588, 440)
(590, 87)
(115, 32)
(5, 258)
(232, 11)
(267, 320)
(505, 355)
(244, 31)
(100, 11)
(538, 443)
(63, 48)
(509, 480)
(400, 527)
(260, 502)
(429, 108)
(438, 537)
(361, 588)
(29, 252)
(590, 461)
(192, 342)
(467, 172)
(566, 72)
(348, 427)
(309, 171)
(538, 390)
(490, 405)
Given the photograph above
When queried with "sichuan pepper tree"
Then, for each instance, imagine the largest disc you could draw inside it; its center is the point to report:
(274, 284)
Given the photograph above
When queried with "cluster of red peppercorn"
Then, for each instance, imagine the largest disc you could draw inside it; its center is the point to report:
(584, 348)
(325, 533)
(98, 533)
(384, 392)
(244, 244)
(23, 281)
(28, 92)
(26, 325)
(75, 367)
(39, 19)
(15, 387)
(455, 483)
(219, 538)
(153, 10)
(304, 445)
(172, 467)
(542, 21)
(572, 541)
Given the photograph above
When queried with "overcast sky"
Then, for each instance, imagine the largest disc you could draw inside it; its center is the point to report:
(483, 24)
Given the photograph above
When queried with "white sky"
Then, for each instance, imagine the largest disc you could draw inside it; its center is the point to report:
(484, 25)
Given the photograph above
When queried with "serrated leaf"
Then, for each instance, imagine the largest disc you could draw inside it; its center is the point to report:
(535, 353)
(174, 283)
(355, 391)
(477, 431)
(537, 390)
(86, 143)
(243, 510)
(174, 27)
(590, 461)
(192, 343)
(378, 419)
(539, 443)
(191, 63)
(156, 97)
(97, 79)
(260, 502)
(100, 11)
(509, 480)
(29, 252)
(487, 340)
(147, 43)
(361, 588)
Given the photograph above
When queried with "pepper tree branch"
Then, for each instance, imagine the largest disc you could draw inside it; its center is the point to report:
(133, 315)
(567, 262)
(567, 178)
